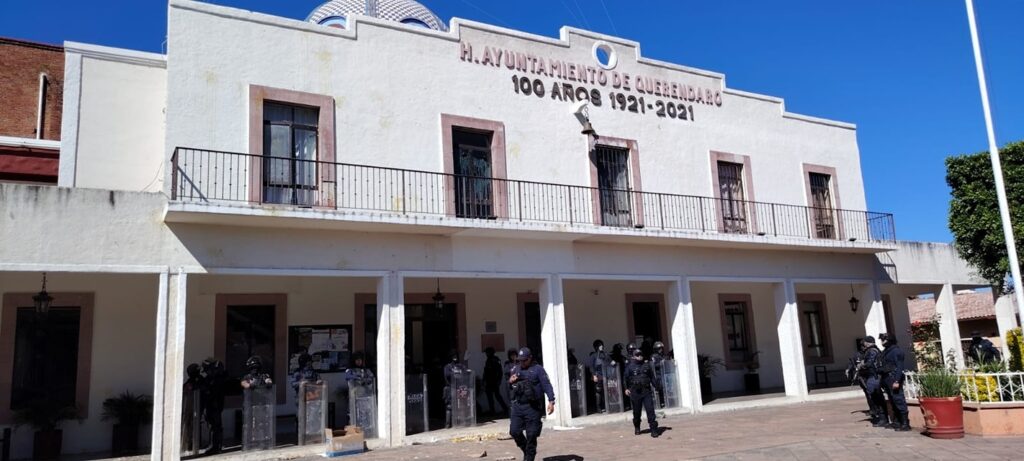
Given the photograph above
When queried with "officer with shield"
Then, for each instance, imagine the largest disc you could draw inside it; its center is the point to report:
(450, 370)
(358, 378)
(305, 373)
(872, 374)
(529, 384)
(256, 378)
(192, 409)
(892, 381)
(597, 362)
(212, 398)
(641, 383)
(657, 360)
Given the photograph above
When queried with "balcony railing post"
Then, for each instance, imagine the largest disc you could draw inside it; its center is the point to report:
(569, 195)
(174, 174)
(519, 194)
(661, 212)
(700, 205)
(775, 226)
(404, 198)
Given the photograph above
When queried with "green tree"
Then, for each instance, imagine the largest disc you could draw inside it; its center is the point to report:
(974, 209)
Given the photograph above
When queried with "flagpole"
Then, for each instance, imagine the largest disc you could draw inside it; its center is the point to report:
(997, 169)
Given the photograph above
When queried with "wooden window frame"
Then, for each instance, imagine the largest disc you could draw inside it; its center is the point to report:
(8, 323)
(749, 320)
(825, 329)
(635, 185)
(499, 171)
(325, 145)
(748, 188)
(220, 322)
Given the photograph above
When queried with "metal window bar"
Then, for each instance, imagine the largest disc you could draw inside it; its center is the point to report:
(200, 175)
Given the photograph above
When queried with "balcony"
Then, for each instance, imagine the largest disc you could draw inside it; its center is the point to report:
(236, 184)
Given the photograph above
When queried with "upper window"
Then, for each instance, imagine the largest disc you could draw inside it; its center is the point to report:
(821, 204)
(814, 329)
(45, 357)
(730, 188)
(613, 183)
(474, 194)
(290, 154)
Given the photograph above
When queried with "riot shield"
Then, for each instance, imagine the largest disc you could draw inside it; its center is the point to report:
(191, 423)
(612, 383)
(463, 390)
(312, 413)
(578, 390)
(259, 428)
(669, 384)
(416, 404)
(362, 407)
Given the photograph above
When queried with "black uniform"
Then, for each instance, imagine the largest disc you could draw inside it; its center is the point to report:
(983, 351)
(892, 374)
(872, 376)
(212, 395)
(528, 393)
(597, 362)
(492, 382)
(641, 382)
(853, 372)
(450, 370)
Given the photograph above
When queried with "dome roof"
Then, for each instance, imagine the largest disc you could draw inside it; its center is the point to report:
(335, 12)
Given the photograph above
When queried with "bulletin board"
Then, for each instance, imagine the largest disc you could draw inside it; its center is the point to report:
(329, 345)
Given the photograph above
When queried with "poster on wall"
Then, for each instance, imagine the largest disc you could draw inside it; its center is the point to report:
(330, 346)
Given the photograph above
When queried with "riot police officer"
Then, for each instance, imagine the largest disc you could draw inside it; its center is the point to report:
(892, 381)
(855, 375)
(212, 397)
(529, 384)
(450, 370)
(305, 373)
(872, 376)
(981, 350)
(641, 383)
(356, 375)
(256, 378)
(657, 360)
(190, 407)
(597, 362)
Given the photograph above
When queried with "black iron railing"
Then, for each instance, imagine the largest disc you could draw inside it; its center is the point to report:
(213, 176)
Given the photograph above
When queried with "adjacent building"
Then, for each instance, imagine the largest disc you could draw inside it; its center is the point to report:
(373, 179)
(31, 85)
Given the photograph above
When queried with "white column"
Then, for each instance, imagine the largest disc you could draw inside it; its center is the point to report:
(787, 315)
(169, 367)
(684, 342)
(871, 300)
(1006, 317)
(391, 359)
(554, 346)
(949, 328)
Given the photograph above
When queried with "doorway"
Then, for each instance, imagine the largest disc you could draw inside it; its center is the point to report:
(531, 326)
(613, 185)
(430, 335)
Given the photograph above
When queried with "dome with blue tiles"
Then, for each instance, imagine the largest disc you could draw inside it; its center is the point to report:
(335, 13)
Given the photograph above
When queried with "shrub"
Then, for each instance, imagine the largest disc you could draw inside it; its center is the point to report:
(1015, 342)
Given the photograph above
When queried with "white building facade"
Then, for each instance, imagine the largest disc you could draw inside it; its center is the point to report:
(287, 174)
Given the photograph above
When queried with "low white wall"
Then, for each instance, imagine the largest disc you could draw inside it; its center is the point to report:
(123, 344)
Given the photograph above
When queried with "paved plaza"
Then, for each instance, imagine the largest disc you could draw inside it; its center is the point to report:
(835, 430)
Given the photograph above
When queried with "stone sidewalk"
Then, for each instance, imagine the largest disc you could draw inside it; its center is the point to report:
(834, 430)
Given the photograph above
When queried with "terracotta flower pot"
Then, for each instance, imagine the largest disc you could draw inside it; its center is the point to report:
(943, 417)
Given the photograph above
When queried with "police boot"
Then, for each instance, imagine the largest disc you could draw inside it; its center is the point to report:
(655, 431)
(636, 429)
(905, 422)
(883, 420)
(448, 418)
(895, 420)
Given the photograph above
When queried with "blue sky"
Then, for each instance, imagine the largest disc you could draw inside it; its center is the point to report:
(901, 70)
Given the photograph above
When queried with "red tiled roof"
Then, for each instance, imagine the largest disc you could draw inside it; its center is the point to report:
(969, 306)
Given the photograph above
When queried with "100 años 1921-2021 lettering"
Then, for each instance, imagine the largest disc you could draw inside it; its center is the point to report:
(560, 91)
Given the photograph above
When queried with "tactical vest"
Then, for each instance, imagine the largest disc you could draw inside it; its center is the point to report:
(638, 378)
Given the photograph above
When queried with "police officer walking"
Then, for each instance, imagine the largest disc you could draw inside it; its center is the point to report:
(529, 384)
(892, 381)
(872, 375)
(641, 383)
(854, 374)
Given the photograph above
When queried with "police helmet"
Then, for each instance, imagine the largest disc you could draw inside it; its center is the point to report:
(193, 370)
(658, 345)
(598, 343)
(254, 363)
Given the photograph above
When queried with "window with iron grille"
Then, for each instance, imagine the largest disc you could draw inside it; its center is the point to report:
(474, 188)
(613, 185)
(45, 356)
(815, 332)
(821, 205)
(290, 154)
(737, 332)
(733, 203)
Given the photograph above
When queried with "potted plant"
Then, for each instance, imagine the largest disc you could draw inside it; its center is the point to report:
(751, 380)
(708, 367)
(45, 415)
(938, 391)
(129, 411)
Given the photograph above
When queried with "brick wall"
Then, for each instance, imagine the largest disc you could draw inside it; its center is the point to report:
(20, 65)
